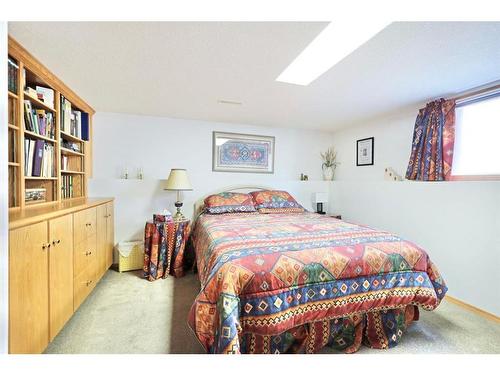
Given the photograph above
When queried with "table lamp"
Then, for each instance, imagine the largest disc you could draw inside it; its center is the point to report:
(319, 199)
(178, 181)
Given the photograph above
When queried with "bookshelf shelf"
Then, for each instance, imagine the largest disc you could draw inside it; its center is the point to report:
(39, 178)
(31, 90)
(38, 103)
(67, 151)
(36, 135)
(70, 137)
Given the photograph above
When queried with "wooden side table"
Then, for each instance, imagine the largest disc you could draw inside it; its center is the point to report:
(164, 244)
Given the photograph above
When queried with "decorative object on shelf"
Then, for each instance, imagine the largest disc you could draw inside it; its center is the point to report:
(303, 177)
(125, 174)
(178, 181)
(35, 195)
(140, 175)
(320, 198)
(329, 163)
(232, 152)
(364, 151)
(391, 175)
(164, 244)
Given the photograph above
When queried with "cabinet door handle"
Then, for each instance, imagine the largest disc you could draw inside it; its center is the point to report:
(55, 242)
(44, 247)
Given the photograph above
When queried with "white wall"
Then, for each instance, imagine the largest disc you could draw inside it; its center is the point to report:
(158, 144)
(4, 217)
(458, 223)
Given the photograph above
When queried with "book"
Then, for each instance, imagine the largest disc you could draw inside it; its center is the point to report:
(31, 154)
(85, 126)
(38, 156)
(47, 95)
(13, 69)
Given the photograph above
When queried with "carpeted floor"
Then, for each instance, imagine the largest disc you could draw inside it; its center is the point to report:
(127, 314)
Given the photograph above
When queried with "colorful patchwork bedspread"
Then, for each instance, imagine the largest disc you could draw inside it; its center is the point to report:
(296, 282)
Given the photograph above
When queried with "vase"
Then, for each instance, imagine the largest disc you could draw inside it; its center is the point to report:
(328, 173)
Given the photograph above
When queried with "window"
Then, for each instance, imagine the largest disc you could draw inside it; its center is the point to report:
(476, 152)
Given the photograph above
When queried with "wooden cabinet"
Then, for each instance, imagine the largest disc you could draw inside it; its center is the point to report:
(53, 266)
(28, 289)
(60, 272)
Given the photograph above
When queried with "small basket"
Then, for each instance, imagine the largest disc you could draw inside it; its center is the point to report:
(135, 259)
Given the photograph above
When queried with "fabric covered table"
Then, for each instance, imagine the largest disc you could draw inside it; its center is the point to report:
(164, 244)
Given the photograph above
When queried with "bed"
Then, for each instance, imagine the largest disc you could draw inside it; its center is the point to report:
(297, 282)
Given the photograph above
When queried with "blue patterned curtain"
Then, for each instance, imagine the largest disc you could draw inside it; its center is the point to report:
(433, 139)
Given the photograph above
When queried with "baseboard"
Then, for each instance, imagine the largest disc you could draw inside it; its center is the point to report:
(474, 309)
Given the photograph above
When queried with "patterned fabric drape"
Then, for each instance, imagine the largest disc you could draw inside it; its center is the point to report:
(433, 138)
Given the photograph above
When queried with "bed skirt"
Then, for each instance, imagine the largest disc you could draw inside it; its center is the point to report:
(378, 329)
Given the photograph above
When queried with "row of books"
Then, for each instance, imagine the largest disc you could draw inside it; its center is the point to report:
(39, 158)
(39, 121)
(74, 122)
(67, 187)
(13, 68)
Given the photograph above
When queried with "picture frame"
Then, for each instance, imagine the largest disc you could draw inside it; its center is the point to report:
(365, 151)
(247, 153)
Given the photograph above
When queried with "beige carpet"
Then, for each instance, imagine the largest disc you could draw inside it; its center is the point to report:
(127, 314)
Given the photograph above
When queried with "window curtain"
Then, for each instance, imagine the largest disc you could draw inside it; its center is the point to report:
(433, 138)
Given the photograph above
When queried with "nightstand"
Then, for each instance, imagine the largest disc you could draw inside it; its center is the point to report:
(336, 216)
(164, 244)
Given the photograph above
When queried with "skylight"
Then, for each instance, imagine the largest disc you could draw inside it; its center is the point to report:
(333, 44)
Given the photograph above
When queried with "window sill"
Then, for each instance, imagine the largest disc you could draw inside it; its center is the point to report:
(491, 177)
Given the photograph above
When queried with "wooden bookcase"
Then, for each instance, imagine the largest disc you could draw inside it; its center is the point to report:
(78, 152)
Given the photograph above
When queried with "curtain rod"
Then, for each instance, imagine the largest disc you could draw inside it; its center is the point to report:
(479, 93)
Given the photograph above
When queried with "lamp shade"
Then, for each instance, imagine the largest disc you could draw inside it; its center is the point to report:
(320, 197)
(178, 180)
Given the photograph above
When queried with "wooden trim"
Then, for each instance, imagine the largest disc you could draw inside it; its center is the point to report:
(49, 210)
(474, 309)
(489, 177)
(32, 64)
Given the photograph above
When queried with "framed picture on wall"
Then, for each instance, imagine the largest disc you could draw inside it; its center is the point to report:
(233, 152)
(364, 151)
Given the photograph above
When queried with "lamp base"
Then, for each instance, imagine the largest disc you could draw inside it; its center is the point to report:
(178, 215)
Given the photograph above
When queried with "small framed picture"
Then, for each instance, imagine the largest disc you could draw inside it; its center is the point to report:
(234, 152)
(364, 152)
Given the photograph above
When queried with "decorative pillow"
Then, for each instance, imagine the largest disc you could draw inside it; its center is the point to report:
(227, 202)
(274, 199)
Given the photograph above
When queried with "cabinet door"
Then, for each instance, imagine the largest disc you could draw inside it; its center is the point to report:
(102, 239)
(61, 272)
(28, 289)
(84, 224)
(110, 234)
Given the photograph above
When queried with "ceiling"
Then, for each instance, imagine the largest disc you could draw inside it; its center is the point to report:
(181, 70)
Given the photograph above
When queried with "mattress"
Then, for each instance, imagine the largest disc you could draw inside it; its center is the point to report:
(273, 283)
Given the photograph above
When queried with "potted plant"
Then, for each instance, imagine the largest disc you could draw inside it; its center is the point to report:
(329, 163)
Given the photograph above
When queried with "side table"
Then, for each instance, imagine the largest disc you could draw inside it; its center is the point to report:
(164, 244)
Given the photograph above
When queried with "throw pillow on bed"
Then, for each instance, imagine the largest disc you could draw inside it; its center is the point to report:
(228, 202)
(275, 201)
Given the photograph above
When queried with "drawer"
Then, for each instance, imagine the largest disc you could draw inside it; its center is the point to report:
(82, 286)
(85, 255)
(84, 224)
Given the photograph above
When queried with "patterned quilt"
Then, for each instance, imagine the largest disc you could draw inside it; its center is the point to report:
(296, 282)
